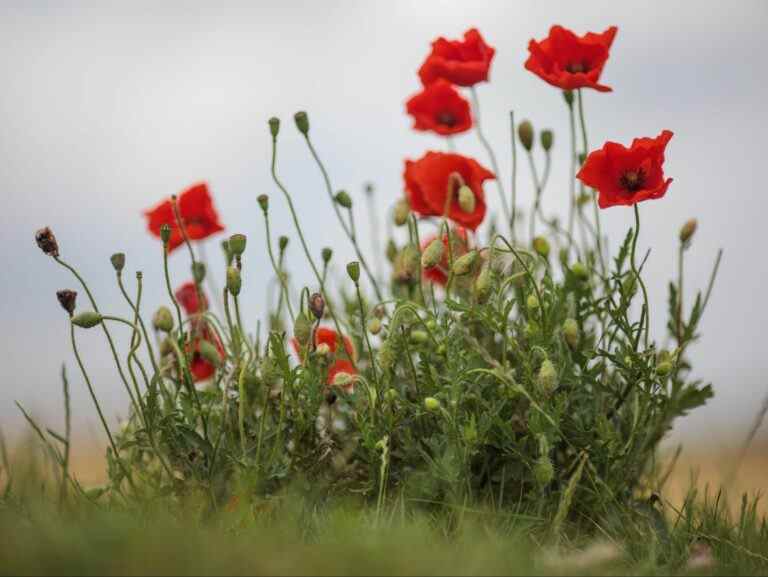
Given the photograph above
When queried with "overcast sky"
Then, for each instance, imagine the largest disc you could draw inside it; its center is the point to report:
(108, 107)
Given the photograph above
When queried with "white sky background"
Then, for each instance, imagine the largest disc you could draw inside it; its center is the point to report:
(106, 108)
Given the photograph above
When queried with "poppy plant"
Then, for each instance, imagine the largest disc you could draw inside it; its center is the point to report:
(435, 182)
(197, 213)
(440, 108)
(190, 301)
(438, 274)
(200, 367)
(568, 61)
(626, 176)
(463, 62)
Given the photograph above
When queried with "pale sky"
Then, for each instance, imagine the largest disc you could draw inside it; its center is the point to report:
(108, 107)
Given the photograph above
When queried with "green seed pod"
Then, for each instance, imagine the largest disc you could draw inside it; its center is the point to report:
(210, 353)
(541, 246)
(433, 254)
(327, 254)
(547, 138)
(664, 368)
(237, 244)
(274, 126)
(87, 319)
(543, 471)
(464, 264)
(374, 326)
(532, 302)
(571, 332)
(547, 377)
(118, 261)
(580, 271)
(165, 233)
(525, 134)
(353, 270)
(401, 212)
(263, 202)
(198, 271)
(688, 230)
(234, 281)
(302, 122)
(467, 200)
(162, 320)
(391, 250)
(431, 404)
(343, 198)
(483, 284)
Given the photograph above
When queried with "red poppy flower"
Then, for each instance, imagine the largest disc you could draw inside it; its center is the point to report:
(569, 61)
(439, 274)
(201, 368)
(626, 176)
(463, 62)
(342, 366)
(329, 337)
(189, 300)
(197, 213)
(429, 181)
(440, 108)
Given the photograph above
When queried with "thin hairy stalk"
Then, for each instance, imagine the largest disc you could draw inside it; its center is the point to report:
(491, 156)
(136, 310)
(209, 278)
(186, 378)
(366, 337)
(170, 288)
(572, 175)
(241, 407)
(67, 436)
(277, 269)
(373, 229)
(185, 236)
(413, 228)
(639, 278)
(513, 133)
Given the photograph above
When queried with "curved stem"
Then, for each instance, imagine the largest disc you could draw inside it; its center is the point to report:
(170, 289)
(365, 335)
(278, 270)
(639, 278)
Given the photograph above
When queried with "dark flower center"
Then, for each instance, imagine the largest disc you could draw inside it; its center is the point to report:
(632, 180)
(577, 67)
(446, 119)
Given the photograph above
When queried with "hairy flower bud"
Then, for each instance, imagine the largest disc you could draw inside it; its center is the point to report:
(541, 246)
(46, 240)
(67, 300)
(374, 326)
(571, 332)
(467, 200)
(664, 368)
(343, 199)
(274, 126)
(483, 283)
(327, 254)
(547, 377)
(353, 270)
(580, 271)
(87, 319)
(464, 264)
(391, 251)
(688, 230)
(209, 352)
(406, 265)
(543, 471)
(165, 233)
(234, 281)
(282, 243)
(532, 302)
(118, 261)
(237, 244)
(317, 305)
(302, 122)
(198, 271)
(525, 134)
(547, 138)
(263, 200)
(431, 404)
(433, 254)
(401, 212)
(162, 320)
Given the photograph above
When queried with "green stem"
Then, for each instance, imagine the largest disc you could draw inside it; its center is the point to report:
(639, 278)
(170, 288)
(572, 179)
(367, 339)
(513, 220)
(278, 270)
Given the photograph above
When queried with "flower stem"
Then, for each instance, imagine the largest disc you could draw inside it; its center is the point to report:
(277, 269)
(639, 278)
(170, 289)
(365, 336)
(513, 132)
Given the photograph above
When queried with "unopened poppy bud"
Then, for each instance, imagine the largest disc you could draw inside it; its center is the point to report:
(525, 134)
(532, 302)
(571, 332)
(353, 270)
(467, 201)
(67, 300)
(302, 329)
(162, 320)
(483, 283)
(237, 244)
(46, 240)
(391, 395)
(274, 126)
(87, 320)
(541, 246)
(198, 271)
(165, 233)
(343, 379)
(419, 337)
(118, 261)
(374, 326)
(282, 243)
(317, 305)
(323, 350)
(431, 404)
(433, 254)
(688, 230)
(543, 471)
(263, 202)
(209, 352)
(234, 281)
(547, 377)
(464, 264)
(166, 347)
(402, 212)
(302, 122)
(391, 251)
(580, 271)
(343, 198)
(407, 264)
(327, 254)
(568, 96)
(664, 368)
(547, 137)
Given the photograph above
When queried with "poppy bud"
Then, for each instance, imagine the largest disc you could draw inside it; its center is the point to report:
(274, 126)
(571, 332)
(580, 271)
(302, 329)
(302, 122)
(407, 264)
(87, 319)
(419, 337)
(543, 471)
(688, 230)
(162, 320)
(234, 281)
(317, 305)
(532, 302)
(282, 243)
(47, 242)
(464, 264)
(237, 244)
(263, 202)
(402, 212)
(483, 284)
(568, 96)
(433, 254)
(664, 368)
(118, 261)
(547, 138)
(391, 250)
(547, 377)
(431, 404)
(525, 134)
(353, 270)
(166, 347)
(391, 395)
(323, 350)
(67, 300)
(198, 271)
(342, 197)
(386, 355)
(343, 379)
(541, 246)
(374, 326)
(467, 201)
(209, 352)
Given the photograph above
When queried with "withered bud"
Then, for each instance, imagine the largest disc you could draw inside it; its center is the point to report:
(47, 242)
(118, 261)
(342, 197)
(263, 200)
(317, 305)
(327, 254)
(688, 230)
(302, 122)
(67, 300)
(525, 134)
(274, 126)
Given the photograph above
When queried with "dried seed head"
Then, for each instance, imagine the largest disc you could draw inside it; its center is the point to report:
(525, 134)
(162, 320)
(118, 261)
(47, 242)
(302, 122)
(67, 300)
(317, 305)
